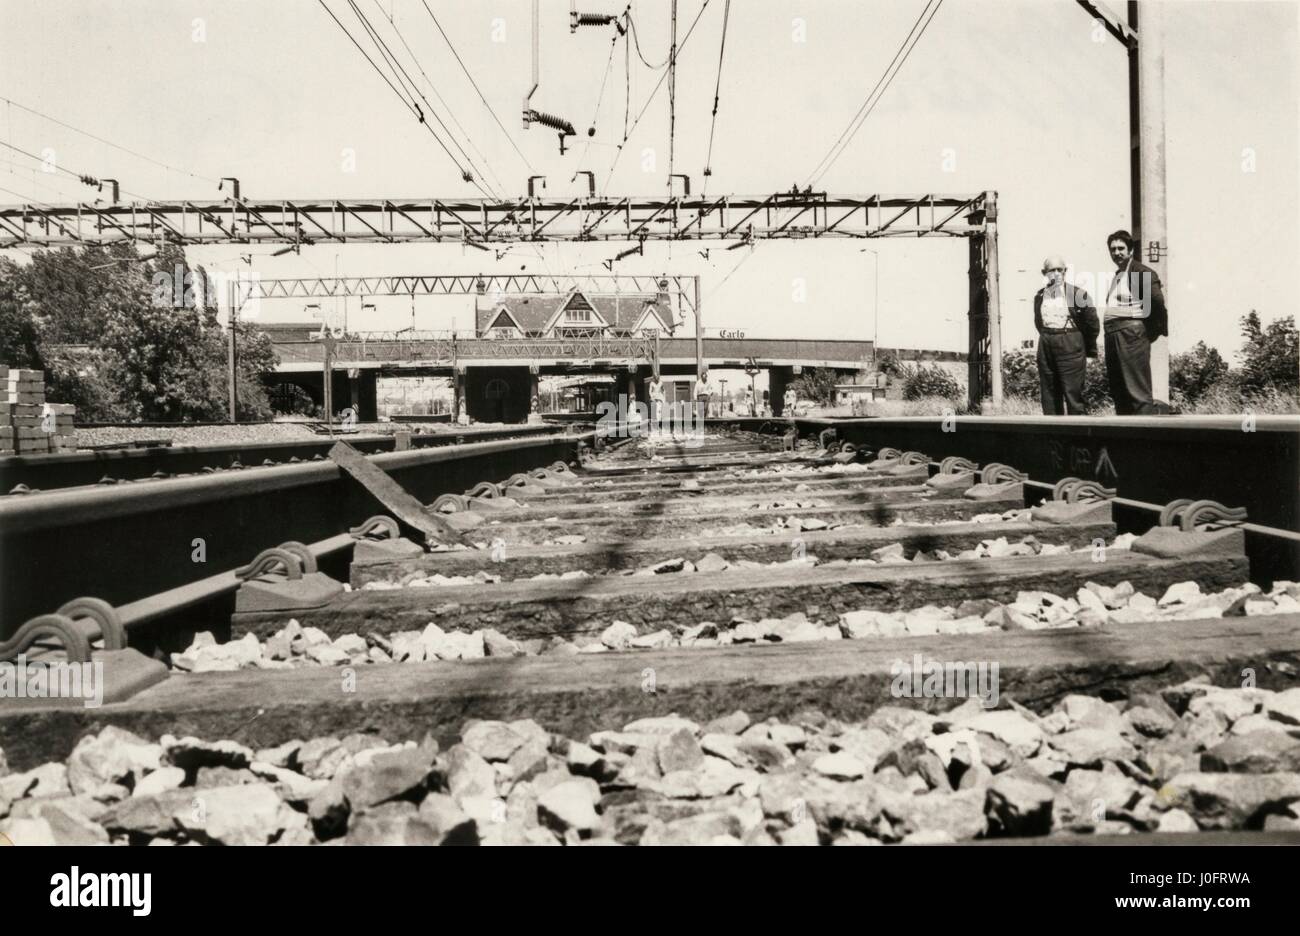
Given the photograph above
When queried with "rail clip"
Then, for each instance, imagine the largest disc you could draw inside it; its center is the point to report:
(284, 579)
(955, 474)
(1200, 529)
(1077, 501)
(998, 482)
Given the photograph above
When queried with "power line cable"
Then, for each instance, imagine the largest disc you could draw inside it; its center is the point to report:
(672, 97)
(609, 66)
(116, 146)
(82, 177)
(717, 88)
(650, 99)
(434, 88)
(636, 40)
(414, 109)
(386, 54)
(482, 98)
(400, 72)
(886, 79)
(409, 106)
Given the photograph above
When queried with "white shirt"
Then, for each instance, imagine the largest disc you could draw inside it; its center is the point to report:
(1119, 298)
(1054, 312)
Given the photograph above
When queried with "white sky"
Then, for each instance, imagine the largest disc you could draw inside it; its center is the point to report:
(1028, 102)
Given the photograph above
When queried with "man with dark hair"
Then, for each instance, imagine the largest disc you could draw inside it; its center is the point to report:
(1067, 336)
(1134, 316)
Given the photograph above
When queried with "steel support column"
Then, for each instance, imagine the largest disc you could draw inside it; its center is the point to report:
(992, 292)
(232, 364)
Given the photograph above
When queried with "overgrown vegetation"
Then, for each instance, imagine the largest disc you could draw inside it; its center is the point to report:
(816, 384)
(1200, 380)
(117, 338)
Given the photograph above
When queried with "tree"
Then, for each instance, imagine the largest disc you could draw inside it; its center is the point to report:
(1270, 358)
(817, 384)
(19, 338)
(122, 337)
(889, 364)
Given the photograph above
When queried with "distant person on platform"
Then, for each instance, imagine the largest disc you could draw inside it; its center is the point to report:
(702, 391)
(788, 402)
(749, 401)
(1067, 336)
(655, 391)
(1134, 316)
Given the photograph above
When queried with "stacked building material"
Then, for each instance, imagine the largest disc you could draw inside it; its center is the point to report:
(56, 420)
(29, 425)
(6, 420)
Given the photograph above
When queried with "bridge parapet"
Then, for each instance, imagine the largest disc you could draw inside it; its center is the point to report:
(442, 350)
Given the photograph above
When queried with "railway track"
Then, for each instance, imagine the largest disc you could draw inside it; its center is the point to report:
(21, 475)
(663, 643)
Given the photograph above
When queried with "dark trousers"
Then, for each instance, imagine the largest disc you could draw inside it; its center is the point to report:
(1128, 367)
(1061, 366)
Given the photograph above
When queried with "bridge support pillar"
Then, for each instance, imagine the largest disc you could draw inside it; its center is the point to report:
(498, 394)
(778, 378)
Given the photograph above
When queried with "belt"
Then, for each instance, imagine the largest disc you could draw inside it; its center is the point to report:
(1060, 331)
(1115, 324)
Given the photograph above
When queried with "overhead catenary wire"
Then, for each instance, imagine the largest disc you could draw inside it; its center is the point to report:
(116, 146)
(15, 168)
(717, 89)
(434, 88)
(402, 74)
(672, 96)
(609, 66)
(477, 90)
(80, 176)
(636, 41)
(653, 93)
(882, 85)
(410, 105)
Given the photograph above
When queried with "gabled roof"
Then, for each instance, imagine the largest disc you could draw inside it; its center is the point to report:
(504, 319)
(576, 300)
(624, 312)
(531, 313)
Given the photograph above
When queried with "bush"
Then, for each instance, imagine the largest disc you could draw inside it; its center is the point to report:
(1020, 379)
(1194, 372)
(1020, 374)
(817, 385)
(930, 381)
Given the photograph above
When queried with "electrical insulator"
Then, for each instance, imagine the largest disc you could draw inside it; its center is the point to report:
(589, 19)
(550, 120)
(467, 176)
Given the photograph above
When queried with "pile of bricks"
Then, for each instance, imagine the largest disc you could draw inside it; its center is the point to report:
(29, 425)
